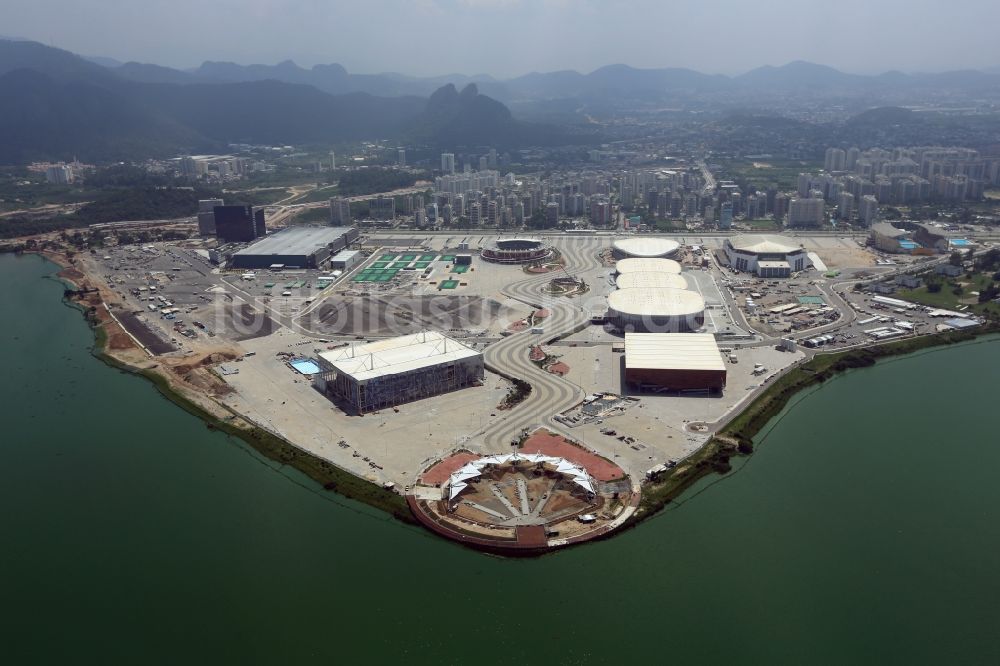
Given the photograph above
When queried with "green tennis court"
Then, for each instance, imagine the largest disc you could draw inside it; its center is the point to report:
(380, 264)
(421, 265)
(447, 257)
(460, 268)
(427, 257)
(388, 257)
(448, 284)
(408, 257)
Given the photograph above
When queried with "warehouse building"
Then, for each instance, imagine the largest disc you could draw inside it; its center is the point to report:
(385, 373)
(661, 310)
(345, 260)
(295, 247)
(674, 362)
(766, 256)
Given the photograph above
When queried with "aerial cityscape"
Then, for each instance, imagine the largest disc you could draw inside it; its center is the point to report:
(646, 337)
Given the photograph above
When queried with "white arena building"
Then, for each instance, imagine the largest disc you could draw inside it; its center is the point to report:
(647, 265)
(765, 255)
(381, 374)
(645, 247)
(648, 280)
(660, 310)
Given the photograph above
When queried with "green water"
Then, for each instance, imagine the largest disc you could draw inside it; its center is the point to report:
(865, 530)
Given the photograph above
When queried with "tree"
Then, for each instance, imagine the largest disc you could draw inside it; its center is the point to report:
(955, 259)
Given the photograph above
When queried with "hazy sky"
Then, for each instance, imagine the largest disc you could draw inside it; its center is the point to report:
(511, 37)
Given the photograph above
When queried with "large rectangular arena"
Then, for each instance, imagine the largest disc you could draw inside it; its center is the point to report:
(386, 373)
(674, 361)
(295, 247)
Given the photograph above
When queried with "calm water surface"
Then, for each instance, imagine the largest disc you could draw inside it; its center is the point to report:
(865, 530)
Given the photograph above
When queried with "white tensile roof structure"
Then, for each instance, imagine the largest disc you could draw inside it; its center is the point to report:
(764, 244)
(397, 355)
(457, 482)
(672, 351)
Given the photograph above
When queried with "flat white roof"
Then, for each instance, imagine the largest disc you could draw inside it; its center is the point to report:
(672, 351)
(293, 241)
(773, 264)
(344, 255)
(397, 355)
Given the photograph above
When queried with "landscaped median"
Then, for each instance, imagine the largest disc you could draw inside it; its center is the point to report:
(736, 438)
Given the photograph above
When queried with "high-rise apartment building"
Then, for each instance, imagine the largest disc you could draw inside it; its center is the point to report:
(340, 211)
(805, 212)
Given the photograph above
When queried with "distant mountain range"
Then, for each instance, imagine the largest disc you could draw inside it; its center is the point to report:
(55, 104)
(611, 79)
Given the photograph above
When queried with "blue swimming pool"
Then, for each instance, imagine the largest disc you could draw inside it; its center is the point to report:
(305, 366)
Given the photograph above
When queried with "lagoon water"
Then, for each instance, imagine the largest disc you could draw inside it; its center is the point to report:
(866, 529)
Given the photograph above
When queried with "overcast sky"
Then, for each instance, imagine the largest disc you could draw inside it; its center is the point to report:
(512, 37)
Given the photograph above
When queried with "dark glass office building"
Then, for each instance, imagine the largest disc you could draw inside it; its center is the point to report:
(239, 224)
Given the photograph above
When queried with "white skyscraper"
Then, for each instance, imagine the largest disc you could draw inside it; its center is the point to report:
(448, 162)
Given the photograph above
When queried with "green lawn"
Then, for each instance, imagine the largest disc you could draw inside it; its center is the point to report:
(947, 300)
(762, 224)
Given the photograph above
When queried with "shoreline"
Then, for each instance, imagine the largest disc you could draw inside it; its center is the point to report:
(326, 474)
(735, 438)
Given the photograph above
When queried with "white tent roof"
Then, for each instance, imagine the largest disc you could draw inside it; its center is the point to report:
(472, 469)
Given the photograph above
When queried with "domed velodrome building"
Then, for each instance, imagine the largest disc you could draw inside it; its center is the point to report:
(766, 256)
(656, 310)
(651, 280)
(647, 265)
(645, 247)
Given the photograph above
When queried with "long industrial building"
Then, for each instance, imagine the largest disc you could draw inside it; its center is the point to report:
(385, 373)
(674, 362)
(295, 247)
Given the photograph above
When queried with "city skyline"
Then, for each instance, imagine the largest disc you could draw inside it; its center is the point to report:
(510, 38)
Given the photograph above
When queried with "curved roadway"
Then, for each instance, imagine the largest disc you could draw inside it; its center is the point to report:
(550, 394)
